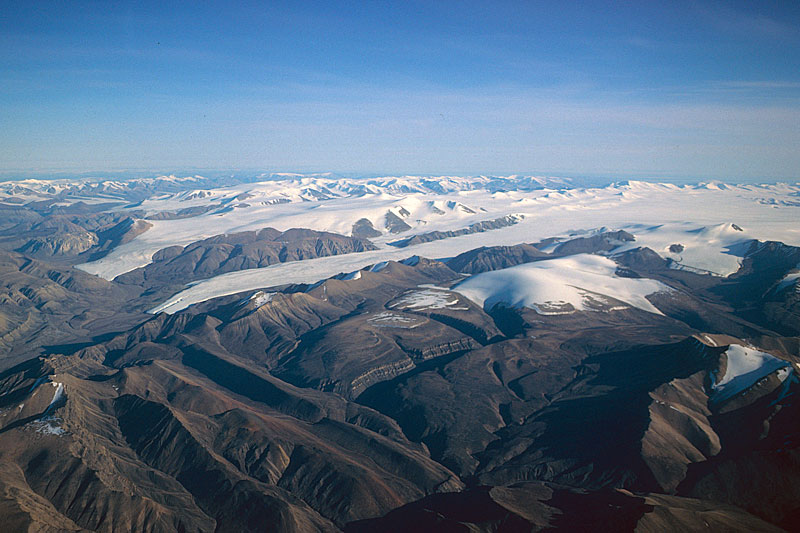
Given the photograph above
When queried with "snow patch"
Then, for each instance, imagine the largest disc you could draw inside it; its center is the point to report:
(391, 320)
(260, 298)
(745, 367)
(427, 299)
(703, 249)
(38, 382)
(48, 426)
(377, 267)
(58, 394)
(788, 376)
(790, 279)
(709, 340)
(352, 276)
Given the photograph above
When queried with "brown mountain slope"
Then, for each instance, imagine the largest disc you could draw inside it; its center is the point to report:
(540, 506)
(202, 442)
(372, 399)
(43, 304)
(239, 251)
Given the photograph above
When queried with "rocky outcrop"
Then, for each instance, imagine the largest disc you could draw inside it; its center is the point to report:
(239, 251)
(43, 304)
(186, 212)
(363, 229)
(489, 258)
(601, 242)
(478, 227)
(395, 224)
(60, 244)
(72, 238)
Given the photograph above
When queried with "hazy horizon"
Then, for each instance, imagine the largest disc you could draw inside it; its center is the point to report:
(679, 91)
(246, 174)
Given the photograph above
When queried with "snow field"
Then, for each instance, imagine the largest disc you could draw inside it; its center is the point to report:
(556, 286)
(656, 214)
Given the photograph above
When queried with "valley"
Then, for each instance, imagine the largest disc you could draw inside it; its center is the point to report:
(320, 353)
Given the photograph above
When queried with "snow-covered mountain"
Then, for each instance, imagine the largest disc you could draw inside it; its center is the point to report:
(289, 185)
(697, 227)
(329, 353)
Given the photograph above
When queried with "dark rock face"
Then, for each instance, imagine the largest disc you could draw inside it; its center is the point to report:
(186, 212)
(395, 224)
(602, 242)
(363, 229)
(207, 434)
(489, 258)
(494, 258)
(239, 251)
(478, 227)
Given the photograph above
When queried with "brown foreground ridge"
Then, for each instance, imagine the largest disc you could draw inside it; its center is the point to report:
(385, 400)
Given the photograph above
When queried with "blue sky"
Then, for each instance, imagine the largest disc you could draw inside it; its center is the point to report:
(629, 89)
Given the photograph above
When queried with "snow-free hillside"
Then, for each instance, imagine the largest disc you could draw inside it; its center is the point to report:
(581, 282)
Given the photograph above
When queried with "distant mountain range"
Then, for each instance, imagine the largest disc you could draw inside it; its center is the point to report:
(316, 353)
